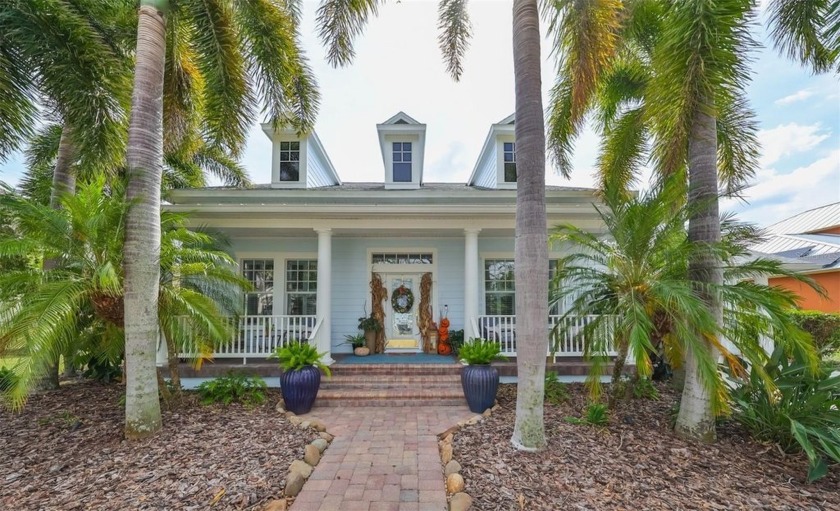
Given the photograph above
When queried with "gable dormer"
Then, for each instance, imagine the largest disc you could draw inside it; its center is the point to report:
(496, 165)
(298, 161)
(403, 142)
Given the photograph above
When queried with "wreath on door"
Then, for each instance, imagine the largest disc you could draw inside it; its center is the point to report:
(402, 299)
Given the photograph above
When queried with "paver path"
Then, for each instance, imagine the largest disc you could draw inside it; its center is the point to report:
(382, 459)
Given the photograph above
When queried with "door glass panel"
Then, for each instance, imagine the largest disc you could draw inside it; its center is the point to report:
(403, 322)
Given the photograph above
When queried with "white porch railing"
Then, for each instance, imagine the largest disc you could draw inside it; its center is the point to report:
(570, 340)
(259, 336)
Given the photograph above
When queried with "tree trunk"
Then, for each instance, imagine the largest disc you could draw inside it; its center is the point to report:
(531, 255)
(64, 182)
(173, 363)
(696, 419)
(142, 239)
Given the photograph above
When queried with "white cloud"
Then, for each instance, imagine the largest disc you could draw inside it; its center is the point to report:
(800, 95)
(776, 196)
(789, 139)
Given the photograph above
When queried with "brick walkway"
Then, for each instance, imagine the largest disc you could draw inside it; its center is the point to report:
(382, 459)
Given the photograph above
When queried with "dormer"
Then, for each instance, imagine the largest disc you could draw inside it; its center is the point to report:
(496, 165)
(298, 161)
(403, 142)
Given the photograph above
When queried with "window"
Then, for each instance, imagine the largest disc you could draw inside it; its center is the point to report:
(260, 273)
(404, 258)
(402, 162)
(301, 286)
(509, 150)
(499, 287)
(289, 161)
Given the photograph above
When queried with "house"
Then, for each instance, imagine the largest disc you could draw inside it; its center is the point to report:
(313, 245)
(808, 243)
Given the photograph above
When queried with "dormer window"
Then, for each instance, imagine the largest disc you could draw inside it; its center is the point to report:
(402, 162)
(509, 151)
(290, 161)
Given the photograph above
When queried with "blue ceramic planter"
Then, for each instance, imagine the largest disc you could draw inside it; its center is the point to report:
(299, 388)
(480, 383)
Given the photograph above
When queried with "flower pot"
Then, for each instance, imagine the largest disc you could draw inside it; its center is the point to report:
(362, 351)
(370, 340)
(480, 383)
(299, 388)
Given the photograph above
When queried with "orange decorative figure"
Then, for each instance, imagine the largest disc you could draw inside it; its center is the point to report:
(444, 348)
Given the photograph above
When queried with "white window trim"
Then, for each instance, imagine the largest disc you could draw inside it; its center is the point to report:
(483, 257)
(500, 161)
(402, 153)
(240, 257)
(295, 257)
(275, 161)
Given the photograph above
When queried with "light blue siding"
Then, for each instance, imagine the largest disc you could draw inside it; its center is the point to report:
(317, 173)
(487, 172)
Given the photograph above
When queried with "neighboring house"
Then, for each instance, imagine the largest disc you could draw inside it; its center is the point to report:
(808, 243)
(311, 244)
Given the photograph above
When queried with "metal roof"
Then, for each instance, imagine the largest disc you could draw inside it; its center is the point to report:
(822, 250)
(813, 220)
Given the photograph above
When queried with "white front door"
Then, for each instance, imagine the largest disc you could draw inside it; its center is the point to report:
(401, 306)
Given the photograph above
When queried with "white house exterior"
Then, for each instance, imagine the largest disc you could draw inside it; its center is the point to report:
(310, 242)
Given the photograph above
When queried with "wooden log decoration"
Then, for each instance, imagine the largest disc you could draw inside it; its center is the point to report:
(378, 293)
(425, 322)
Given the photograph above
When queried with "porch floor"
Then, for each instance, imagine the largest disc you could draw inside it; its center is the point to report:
(394, 358)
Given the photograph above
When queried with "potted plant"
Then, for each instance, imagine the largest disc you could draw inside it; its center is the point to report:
(370, 326)
(301, 375)
(479, 379)
(358, 343)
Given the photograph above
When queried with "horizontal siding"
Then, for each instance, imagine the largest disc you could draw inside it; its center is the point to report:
(487, 173)
(317, 173)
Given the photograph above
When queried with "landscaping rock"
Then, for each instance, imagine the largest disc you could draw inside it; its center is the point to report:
(460, 502)
(318, 425)
(301, 467)
(321, 444)
(453, 467)
(487, 413)
(326, 436)
(281, 409)
(446, 453)
(294, 483)
(294, 419)
(311, 455)
(305, 424)
(276, 505)
(454, 483)
(448, 438)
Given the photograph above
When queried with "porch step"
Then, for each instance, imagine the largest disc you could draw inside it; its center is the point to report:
(392, 385)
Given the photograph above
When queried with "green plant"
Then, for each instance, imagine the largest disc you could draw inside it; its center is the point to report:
(595, 414)
(297, 355)
(480, 352)
(102, 369)
(556, 391)
(369, 324)
(355, 340)
(8, 379)
(823, 327)
(799, 413)
(643, 388)
(233, 388)
(456, 340)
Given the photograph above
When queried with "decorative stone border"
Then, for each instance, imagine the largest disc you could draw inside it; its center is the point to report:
(459, 500)
(301, 469)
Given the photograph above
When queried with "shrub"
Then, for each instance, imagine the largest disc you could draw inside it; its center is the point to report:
(802, 413)
(233, 388)
(456, 340)
(480, 352)
(102, 369)
(823, 327)
(7, 379)
(595, 414)
(555, 390)
(297, 355)
(643, 388)
(355, 340)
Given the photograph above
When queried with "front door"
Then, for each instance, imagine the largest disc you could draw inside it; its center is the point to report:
(401, 306)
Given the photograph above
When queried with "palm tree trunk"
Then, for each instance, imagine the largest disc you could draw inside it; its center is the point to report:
(531, 255)
(64, 182)
(142, 239)
(696, 419)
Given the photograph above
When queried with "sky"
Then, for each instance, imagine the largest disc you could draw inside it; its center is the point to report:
(398, 68)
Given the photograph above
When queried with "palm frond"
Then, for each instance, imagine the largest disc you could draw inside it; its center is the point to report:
(801, 30)
(339, 23)
(455, 33)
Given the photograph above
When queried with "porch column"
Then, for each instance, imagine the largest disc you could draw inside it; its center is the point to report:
(470, 281)
(323, 297)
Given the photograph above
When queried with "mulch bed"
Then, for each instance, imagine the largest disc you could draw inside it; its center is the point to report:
(66, 451)
(635, 463)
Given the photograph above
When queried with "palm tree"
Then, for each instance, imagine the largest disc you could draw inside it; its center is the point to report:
(635, 282)
(236, 44)
(77, 306)
(675, 79)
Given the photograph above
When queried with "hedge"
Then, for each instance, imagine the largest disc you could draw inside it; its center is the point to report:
(823, 327)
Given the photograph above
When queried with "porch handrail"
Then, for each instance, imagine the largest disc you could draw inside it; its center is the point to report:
(569, 340)
(314, 333)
